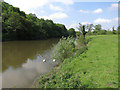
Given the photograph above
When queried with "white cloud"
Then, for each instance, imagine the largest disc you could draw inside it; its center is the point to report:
(98, 10)
(66, 2)
(56, 8)
(84, 23)
(114, 5)
(116, 19)
(58, 15)
(102, 20)
(107, 23)
(74, 25)
(27, 5)
(83, 11)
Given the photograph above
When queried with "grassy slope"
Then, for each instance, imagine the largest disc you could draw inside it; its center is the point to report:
(97, 67)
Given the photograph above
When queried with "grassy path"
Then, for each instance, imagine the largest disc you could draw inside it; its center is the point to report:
(96, 68)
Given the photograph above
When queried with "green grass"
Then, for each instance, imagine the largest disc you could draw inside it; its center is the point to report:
(95, 68)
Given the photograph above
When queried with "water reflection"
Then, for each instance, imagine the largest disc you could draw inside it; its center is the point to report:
(24, 76)
(22, 62)
(17, 52)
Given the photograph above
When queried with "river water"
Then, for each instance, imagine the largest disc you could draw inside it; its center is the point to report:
(22, 62)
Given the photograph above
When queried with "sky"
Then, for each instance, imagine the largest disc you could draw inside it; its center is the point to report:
(72, 12)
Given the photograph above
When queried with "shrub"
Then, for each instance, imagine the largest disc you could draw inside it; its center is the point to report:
(109, 32)
(80, 40)
(103, 32)
(82, 49)
(64, 48)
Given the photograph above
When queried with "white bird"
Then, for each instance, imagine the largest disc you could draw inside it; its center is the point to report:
(54, 60)
(44, 60)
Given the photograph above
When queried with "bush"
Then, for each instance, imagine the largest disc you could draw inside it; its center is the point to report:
(82, 49)
(64, 48)
(109, 32)
(103, 32)
(80, 40)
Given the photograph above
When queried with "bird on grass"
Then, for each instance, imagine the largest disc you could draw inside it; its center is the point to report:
(54, 60)
(44, 60)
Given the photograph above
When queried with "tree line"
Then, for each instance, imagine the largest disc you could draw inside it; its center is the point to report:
(91, 29)
(16, 25)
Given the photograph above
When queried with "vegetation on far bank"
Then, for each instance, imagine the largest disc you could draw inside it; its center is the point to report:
(97, 67)
(16, 25)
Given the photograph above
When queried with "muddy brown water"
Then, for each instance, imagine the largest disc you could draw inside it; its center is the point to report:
(22, 61)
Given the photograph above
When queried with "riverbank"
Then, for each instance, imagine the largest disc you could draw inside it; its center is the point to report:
(95, 68)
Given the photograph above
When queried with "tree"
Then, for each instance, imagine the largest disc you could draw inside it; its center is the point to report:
(97, 27)
(81, 38)
(113, 30)
(89, 28)
(118, 29)
(62, 30)
(72, 32)
(16, 25)
(103, 32)
(81, 29)
(13, 9)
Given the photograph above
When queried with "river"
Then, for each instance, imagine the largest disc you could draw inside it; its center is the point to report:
(22, 62)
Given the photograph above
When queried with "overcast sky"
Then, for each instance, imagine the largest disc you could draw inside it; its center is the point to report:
(70, 13)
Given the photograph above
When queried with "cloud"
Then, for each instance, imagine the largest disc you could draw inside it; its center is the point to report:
(98, 10)
(84, 23)
(115, 5)
(58, 15)
(66, 2)
(74, 25)
(83, 11)
(56, 8)
(102, 20)
(28, 5)
(116, 19)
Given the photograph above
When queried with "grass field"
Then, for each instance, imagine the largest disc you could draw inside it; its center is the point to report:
(95, 68)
